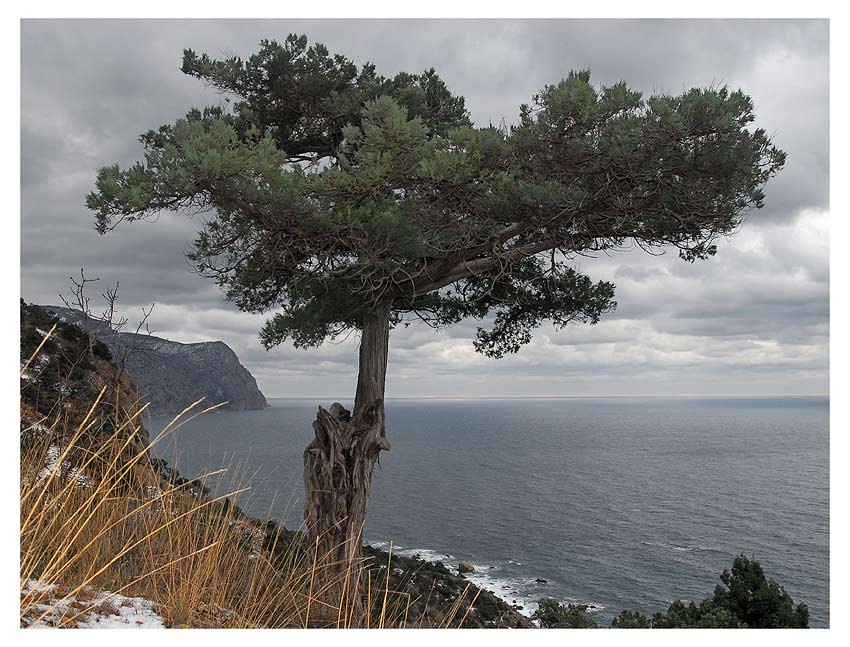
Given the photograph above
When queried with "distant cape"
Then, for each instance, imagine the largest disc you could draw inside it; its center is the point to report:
(169, 375)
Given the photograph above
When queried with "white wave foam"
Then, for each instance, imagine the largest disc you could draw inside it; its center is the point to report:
(522, 592)
(427, 555)
(681, 549)
(507, 588)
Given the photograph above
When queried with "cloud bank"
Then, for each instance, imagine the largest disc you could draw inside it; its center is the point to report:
(752, 320)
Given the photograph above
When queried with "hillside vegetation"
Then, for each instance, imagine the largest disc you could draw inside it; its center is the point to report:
(110, 536)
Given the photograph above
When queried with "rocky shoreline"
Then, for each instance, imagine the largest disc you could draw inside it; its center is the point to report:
(434, 584)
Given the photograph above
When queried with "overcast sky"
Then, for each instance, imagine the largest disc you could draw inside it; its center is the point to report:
(752, 320)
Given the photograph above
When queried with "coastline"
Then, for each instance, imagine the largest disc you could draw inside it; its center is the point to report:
(519, 592)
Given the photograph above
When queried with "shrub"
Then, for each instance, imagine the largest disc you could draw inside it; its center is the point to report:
(745, 599)
(551, 614)
(631, 620)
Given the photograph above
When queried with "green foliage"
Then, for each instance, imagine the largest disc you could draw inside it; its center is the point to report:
(333, 189)
(61, 371)
(631, 620)
(756, 600)
(533, 296)
(746, 599)
(551, 614)
(57, 389)
(304, 96)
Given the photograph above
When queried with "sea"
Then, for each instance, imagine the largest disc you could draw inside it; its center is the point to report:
(619, 503)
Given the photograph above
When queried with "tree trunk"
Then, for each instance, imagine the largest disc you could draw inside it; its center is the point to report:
(338, 466)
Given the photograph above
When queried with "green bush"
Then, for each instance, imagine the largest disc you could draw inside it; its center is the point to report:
(745, 599)
(631, 620)
(551, 614)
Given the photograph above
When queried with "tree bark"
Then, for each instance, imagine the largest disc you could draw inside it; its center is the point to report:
(338, 466)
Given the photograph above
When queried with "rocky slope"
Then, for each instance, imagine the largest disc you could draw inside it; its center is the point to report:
(410, 591)
(170, 375)
(64, 378)
(60, 382)
(434, 596)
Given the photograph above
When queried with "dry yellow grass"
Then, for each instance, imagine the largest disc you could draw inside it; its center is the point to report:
(104, 522)
(101, 520)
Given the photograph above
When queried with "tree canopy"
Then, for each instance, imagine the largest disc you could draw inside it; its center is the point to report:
(747, 598)
(332, 190)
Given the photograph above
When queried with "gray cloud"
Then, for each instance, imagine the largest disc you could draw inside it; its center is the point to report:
(754, 319)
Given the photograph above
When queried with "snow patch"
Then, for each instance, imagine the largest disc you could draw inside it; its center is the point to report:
(250, 534)
(63, 470)
(42, 606)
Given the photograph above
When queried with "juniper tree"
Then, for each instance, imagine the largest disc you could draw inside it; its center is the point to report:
(342, 200)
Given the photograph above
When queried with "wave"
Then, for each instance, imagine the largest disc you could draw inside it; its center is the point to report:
(500, 578)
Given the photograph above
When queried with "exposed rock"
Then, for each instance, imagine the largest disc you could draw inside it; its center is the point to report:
(431, 595)
(465, 567)
(65, 377)
(540, 580)
(170, 375)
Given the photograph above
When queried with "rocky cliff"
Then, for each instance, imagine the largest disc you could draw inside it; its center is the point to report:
(170, 375)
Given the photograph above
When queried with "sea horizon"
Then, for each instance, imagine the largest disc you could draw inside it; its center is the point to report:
(553, 397)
